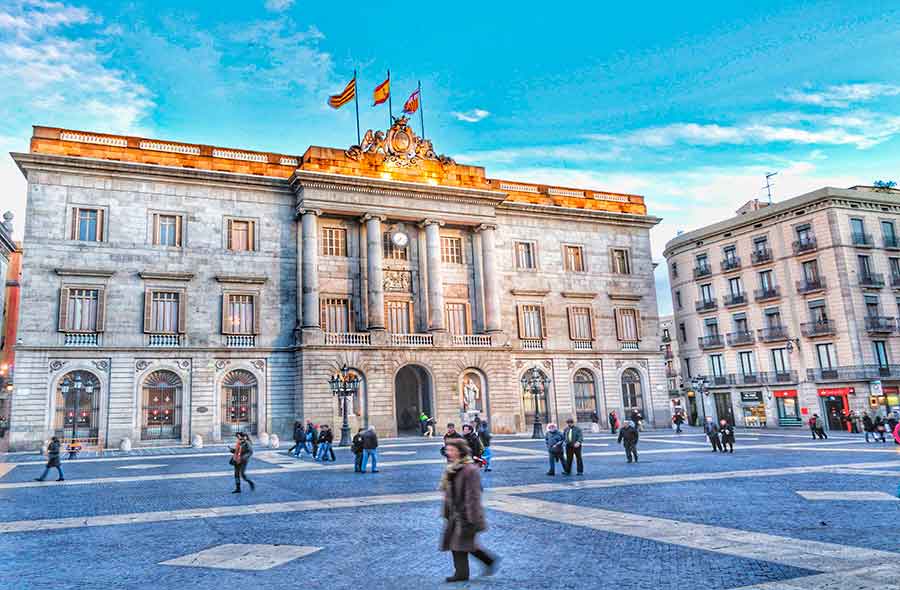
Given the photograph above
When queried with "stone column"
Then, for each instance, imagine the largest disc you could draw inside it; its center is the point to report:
(310, 267)
(435, 276)
(375, 258)
(299, 292)
(491, 279)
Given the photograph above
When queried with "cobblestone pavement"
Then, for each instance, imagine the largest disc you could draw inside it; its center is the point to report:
(783, 512)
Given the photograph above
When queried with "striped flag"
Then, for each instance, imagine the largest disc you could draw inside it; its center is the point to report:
(412, 103)
(336, 101)
(382, 92)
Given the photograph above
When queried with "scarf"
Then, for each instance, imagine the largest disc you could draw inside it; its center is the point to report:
(452, 470)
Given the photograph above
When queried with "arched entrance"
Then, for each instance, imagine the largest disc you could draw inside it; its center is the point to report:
(161, 409)
(78, 407)
(412, 396)
(239, 399)
(585, 395)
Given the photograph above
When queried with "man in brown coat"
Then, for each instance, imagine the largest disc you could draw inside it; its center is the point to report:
(463, 511)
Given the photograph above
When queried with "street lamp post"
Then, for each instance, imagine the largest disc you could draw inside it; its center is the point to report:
(536, 382)
(344, 385)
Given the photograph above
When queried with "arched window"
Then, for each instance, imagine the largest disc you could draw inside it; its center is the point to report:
(78, 407)
(161, 406)
(239, 395)
(585, 395)
(632, 396)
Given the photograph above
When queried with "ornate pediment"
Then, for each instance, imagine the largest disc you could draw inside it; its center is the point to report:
(400, 146)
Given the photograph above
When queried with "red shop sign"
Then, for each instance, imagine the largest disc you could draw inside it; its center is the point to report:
(785, 393)
(836, 391)
(890, 390)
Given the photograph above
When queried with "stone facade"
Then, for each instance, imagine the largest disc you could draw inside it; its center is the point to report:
(815, 335)
(284, 363)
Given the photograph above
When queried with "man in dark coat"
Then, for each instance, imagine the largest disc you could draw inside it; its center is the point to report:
(678, 420)
(357, 447)
(628, 437)
(299, 436)
(53, 460)
(726, 431)
(463, 512)
(312, 439)
(868, 425)
(240, 457)
(370, 449)
(712, 433)
(555, 442)
(472, 439)
(574, 439)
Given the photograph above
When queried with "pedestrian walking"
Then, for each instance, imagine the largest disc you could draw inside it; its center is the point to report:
(595, 422)
(463, 512)
(896, 434)
(370, 449)
(312, 439)
(74, 448)
(356, 445)
(240, 457)
(429, 427)
(299, 436)
(868, 425)
(613, 422)
(726, 432)
(473, 441)
(450, 434)
(880, 428)
(574, 439)
(892, 422)
(476, 422)
(555, 442)
(712, 433)
(326, 437)
(638, 419)
(817, 428)
(628, 437)
(485, 436)
(53, 460)
(678, 420)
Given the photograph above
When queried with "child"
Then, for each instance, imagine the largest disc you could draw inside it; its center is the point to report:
(74, 448)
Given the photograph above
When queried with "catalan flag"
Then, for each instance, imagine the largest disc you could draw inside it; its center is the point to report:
(336, 101)
(382, 92)
(412, 103)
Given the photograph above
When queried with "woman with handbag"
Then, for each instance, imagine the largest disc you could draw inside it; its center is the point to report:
(463, 512)
(240, 456)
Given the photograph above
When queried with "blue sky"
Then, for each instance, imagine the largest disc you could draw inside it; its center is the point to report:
(687, 104)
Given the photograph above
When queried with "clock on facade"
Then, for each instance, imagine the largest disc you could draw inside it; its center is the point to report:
(400, 239)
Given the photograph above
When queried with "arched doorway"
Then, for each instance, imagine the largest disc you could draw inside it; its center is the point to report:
(632, 393)
(412, 396)
(78, 407)
(161, 410)
(585, 395)
(240, 392)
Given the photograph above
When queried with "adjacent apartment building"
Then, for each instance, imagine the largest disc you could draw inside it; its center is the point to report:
(790, 310)
(175, 289)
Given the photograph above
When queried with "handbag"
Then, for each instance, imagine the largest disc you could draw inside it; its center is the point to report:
(232, 462)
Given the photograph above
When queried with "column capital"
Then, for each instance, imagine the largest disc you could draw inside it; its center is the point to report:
(367, 216)
(485, 227)
(427, 222)
(301, 212)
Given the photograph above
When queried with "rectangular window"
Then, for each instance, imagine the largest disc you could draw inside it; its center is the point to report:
(81, 309)
(687, 368)
(391, 250)
(712, 327)
(675, 270)
(895, 266)
(706, 293)
(335, 314)
(873, 307)
(573, 258)
(740, 322)
(241, 235)
(857, 228)
(881, 356)
(890, 235)
(683, 330)
(166, 230)
(628, 326)
(621, 262)
(747, 362)
(163, 312)
(240, 311)
(766, 282)
(398, 316)
(773, 318)
(825, 355)
(525, 258)
(760, 245)
(804, 234)
(580, 324)
(730, 253)
(702, 262)
(451, 250)
(780, 360)
(678, 299)
(87, 224)
(334, 241)
(716, 365)
(457, 316)
(735, 287)
(531, 321)
(811, 271)
(817, 311)
(865, 265)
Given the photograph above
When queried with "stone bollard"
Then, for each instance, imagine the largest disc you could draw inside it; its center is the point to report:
(125, 445)
(274, 441)
(197, 441)
(263, 439)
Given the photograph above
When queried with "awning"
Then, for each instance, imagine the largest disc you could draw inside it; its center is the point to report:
(785, 393)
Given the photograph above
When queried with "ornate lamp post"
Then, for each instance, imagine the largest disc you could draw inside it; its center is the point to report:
(536, 382)
(344, 385)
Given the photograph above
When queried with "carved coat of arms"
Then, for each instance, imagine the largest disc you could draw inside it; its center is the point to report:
(401, 146)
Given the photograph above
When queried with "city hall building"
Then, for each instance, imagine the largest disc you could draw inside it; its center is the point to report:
(173, 289)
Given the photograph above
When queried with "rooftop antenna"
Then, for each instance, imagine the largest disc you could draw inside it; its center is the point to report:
(769, 185)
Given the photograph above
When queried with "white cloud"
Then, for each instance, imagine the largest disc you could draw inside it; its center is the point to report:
(278, 5)
(563, 153)
(471, 116)
(842, 95)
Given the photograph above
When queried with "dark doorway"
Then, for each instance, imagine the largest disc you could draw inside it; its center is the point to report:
(723, 407)
(412, 396)
(692, 411)
(834, 405)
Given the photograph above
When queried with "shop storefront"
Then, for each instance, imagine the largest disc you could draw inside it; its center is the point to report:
(692, 412)
(723, 406)
(788, 407)
(885, 401)
(835, 402)
(753, 409)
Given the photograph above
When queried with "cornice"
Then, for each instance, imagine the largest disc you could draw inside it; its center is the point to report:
(577, 295)
(532, 210)
(84, 272)
(530, 292)
(166, 276)
(242, 279)
(625, 297)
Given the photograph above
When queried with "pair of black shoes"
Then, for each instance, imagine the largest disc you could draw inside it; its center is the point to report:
(237, 490)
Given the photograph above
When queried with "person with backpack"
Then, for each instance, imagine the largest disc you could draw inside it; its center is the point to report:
(485, 436)
(473, 441)
(555, 442)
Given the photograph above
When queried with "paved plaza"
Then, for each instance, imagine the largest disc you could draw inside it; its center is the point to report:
(782, 513)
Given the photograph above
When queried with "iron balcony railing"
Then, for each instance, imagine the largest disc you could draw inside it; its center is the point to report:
(772, 333)
(819, 328)
(761, 256)
(707, 305)
(810, 285)
(669, 355)
(779, 377)
(767, 294)
(738, 338)
(719, 380)
(711, 341)
(807, 244)
(891, 243)
(853, 373)
(895, 280)
(731, 263)
(871, 279)
(747, 378)
(880, 324)
(702, 270)
(732, 299)
(862, 239)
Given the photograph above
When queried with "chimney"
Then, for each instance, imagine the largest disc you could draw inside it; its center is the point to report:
(750, 206)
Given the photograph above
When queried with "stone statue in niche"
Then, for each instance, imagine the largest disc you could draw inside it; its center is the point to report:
(471, 395)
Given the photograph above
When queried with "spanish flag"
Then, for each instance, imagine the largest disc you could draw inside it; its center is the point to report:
(412, 103)
(336, 101)
(382, 92)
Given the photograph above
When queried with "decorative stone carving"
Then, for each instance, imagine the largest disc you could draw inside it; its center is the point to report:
(456, 291)
(185, 365)
(101, 365)
(398, 281)
(401, 146)
(547, 364)
(597, 364)
(57, 365)
(260, 365)
(644, 363)
(141, 366)
(570, 364)
(221, 364)
(520, 364)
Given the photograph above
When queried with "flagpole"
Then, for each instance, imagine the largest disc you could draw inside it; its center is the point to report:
(421, 110)
(356, 100)
(390, 103)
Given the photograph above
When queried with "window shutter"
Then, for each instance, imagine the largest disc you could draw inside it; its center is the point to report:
(617, 315)
(101, 309)
(182, 311)
(571, 319)
(637, 324)
(155, 240)
(226, 322)
(178, 230)
(74, 232)
(521, 321)
(148, 310)
(256, 299)
(100, 233)
(63, 308)
(591, 322)
(543, 322)
(251, 236)
(228, 235)
(323, 315)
